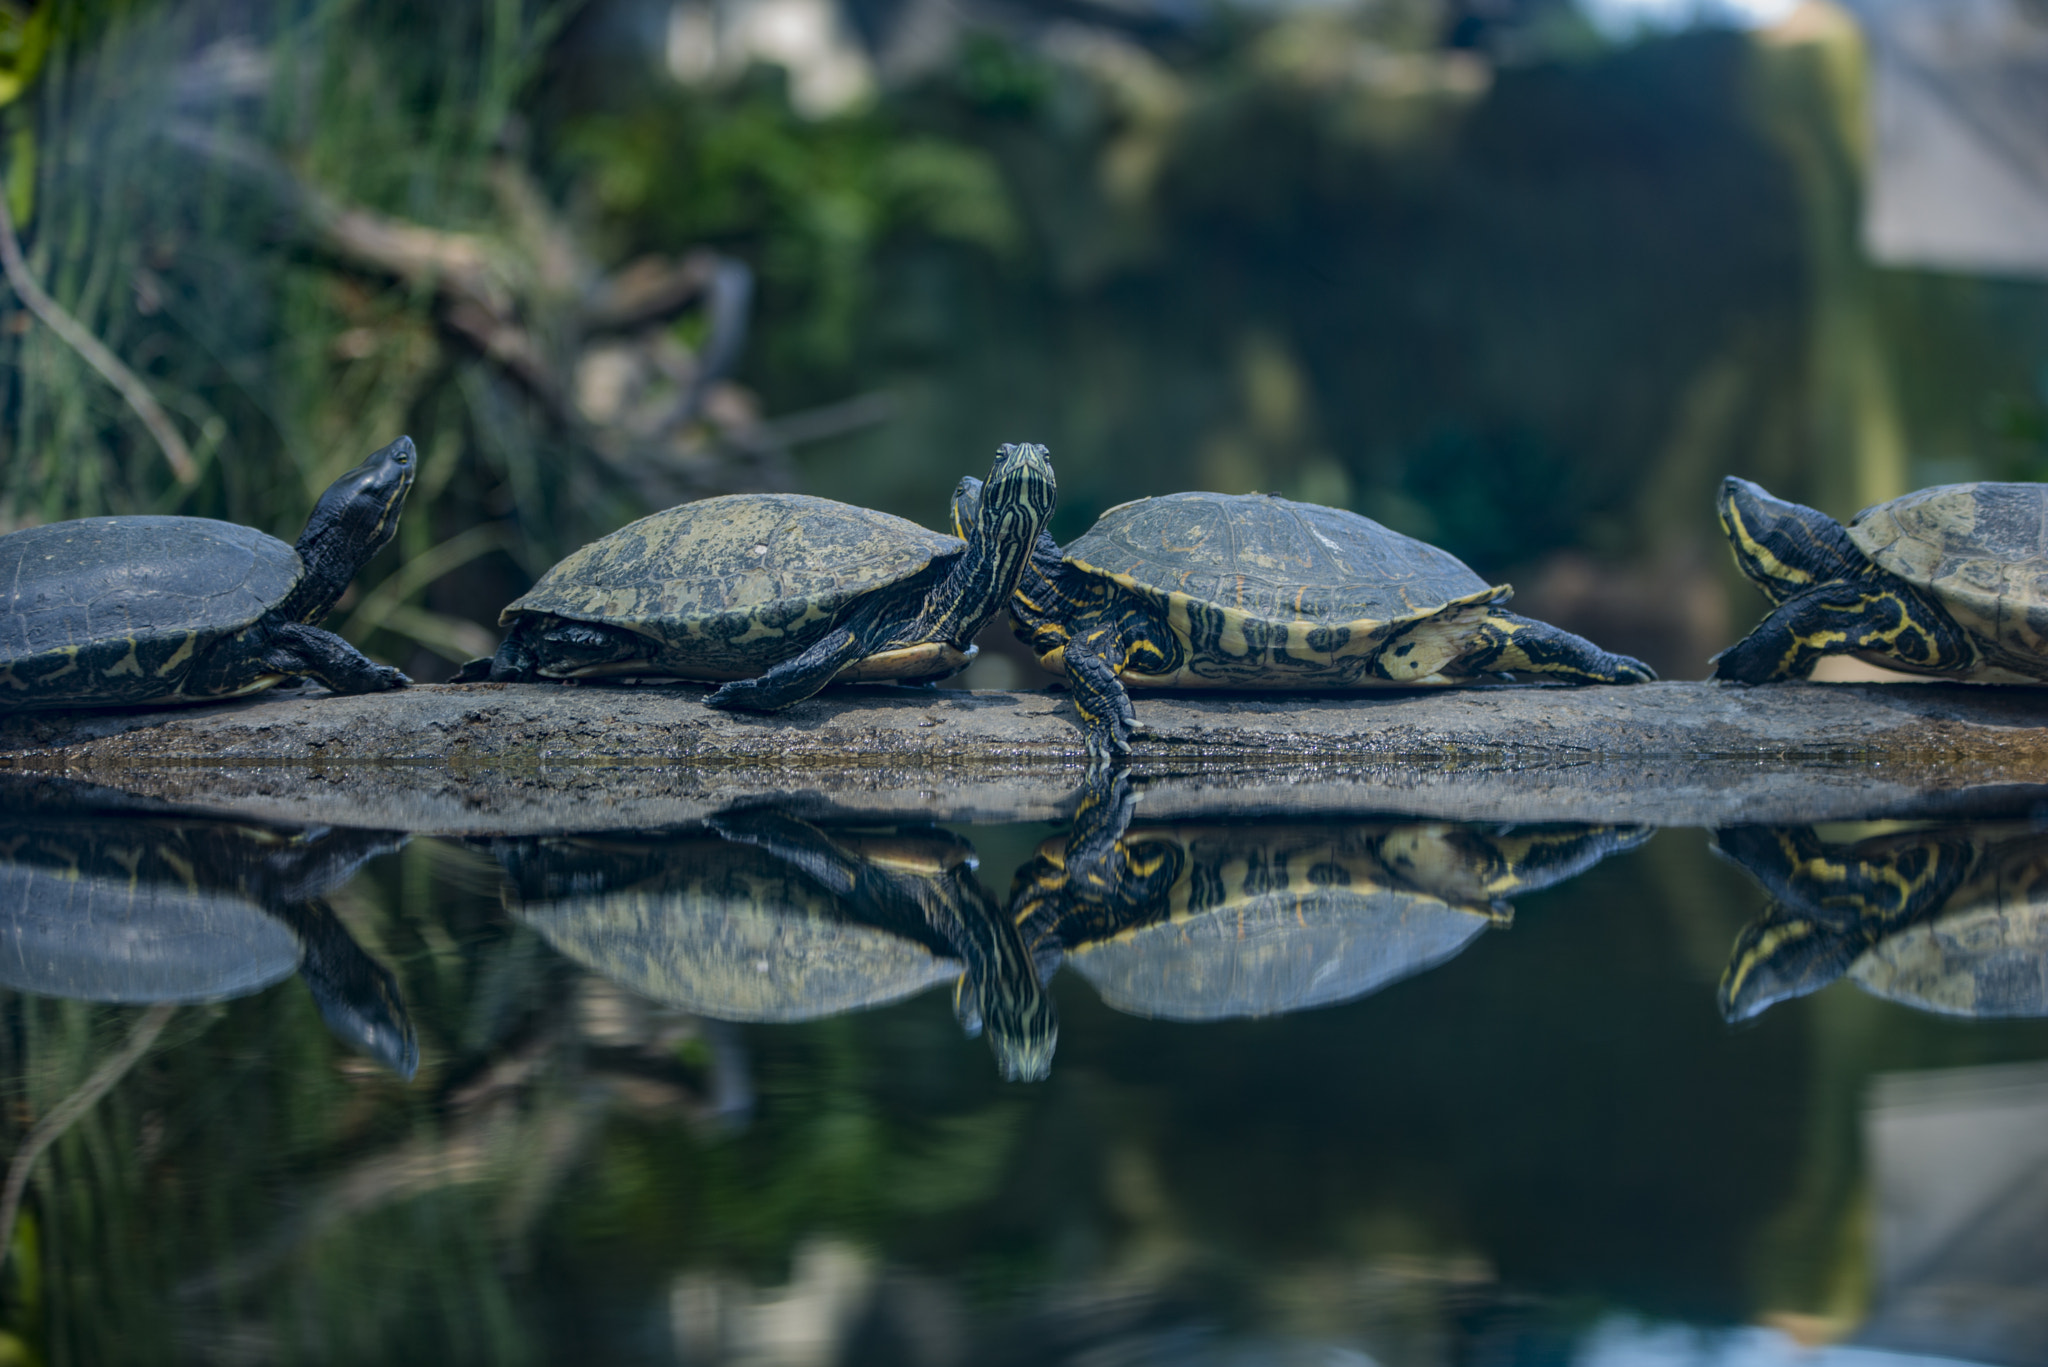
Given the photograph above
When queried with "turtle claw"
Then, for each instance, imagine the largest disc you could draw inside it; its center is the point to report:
(1629, 670)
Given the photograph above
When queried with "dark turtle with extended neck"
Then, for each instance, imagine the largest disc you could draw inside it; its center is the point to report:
(123, 907)
(779, 594)
(1254, 591)
(1950, 581)
(118, 610)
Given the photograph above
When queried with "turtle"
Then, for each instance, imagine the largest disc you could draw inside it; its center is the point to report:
(1950, 918)
(761, 916)
(1209, 922)
(1256, 591)
(117, 907)
(109, 611)
(777, 595)
(1950, 581)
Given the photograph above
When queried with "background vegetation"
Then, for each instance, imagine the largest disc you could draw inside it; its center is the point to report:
(1529, 299)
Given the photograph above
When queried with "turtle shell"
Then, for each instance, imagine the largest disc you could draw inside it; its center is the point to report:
(116, 609)
(1982, 549)
(117, 911)
(1986, 953)
(726, 931)
(1263, 923)
(1274, 591)
(731, 586)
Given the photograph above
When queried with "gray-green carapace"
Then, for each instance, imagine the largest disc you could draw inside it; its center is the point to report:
(122, 907)
(125, 610)
(1194, 922)
(766, 917)
(1950, 581)
(1254, 591)
(777, 595)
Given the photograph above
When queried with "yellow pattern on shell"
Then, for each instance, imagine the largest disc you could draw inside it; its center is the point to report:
(1982, 550)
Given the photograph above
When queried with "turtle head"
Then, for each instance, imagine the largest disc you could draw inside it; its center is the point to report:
(1012, 507)
(1781, 956)
(1002, 520)
(1784, 548)
(352, 522)
(1023, 1029)
(966, 505)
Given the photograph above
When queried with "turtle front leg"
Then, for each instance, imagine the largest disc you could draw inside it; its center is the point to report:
(1511, 643)
(1108, 803)
(295, 648)
(1107, 716)
(794, 680)
(1847, 617)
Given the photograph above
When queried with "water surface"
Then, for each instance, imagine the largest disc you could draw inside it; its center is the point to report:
(765, 1089)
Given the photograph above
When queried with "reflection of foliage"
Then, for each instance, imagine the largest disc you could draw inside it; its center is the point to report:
(830, 1153)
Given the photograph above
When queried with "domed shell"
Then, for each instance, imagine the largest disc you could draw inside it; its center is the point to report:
(1270, 557)
(743, 938)
(112, 919)
(109, 609)
(719, 575)
(1986, 952)
(1263, 924)
(1986, 961)
(1981, 548)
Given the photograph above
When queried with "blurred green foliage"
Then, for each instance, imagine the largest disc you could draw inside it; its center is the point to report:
(1517, 309)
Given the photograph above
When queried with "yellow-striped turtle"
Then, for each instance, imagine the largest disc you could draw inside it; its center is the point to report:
(779, 594)
(769, 918)
(114, 610)
(1950, 581)
(1950, 918)
(1254, 591)
(1213, 922)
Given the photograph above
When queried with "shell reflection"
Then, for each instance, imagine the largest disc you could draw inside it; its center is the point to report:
(763, 917)
(118, 908)
(1949, 918)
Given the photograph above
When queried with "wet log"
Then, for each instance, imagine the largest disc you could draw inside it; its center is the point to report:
(497, 758)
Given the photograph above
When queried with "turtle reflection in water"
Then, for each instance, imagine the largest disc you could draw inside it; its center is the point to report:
(1211, 922)
(1950, 919)
(145, 909)
(769, 918)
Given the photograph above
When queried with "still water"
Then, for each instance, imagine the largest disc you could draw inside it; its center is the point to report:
(769, 1090)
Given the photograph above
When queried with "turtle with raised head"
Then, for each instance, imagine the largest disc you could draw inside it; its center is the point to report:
(107, 611)
(1950, 581)
(777, 595)
(1951, 918)
(119, 907)
(765, 917)
(1255, 591)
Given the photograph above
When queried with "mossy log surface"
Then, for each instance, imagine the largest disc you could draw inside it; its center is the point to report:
(497, 758)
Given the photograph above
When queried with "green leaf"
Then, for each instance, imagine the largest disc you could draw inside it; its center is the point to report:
(23, 45)
(21, 175)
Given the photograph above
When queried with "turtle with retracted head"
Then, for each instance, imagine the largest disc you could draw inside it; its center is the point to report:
(1255, 591)
(777, 595)
(1949, 581)
(109, 611)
